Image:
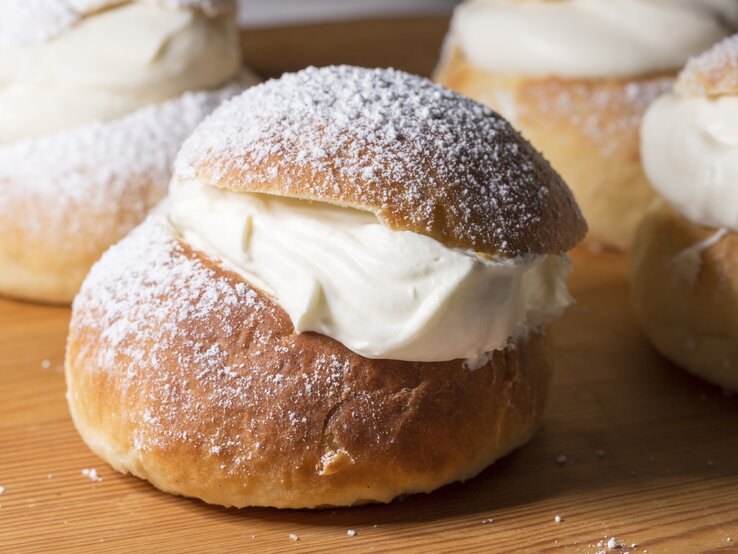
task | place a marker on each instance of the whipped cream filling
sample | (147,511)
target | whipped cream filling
(589,38)
(689,147)
(381,293)
(110,64)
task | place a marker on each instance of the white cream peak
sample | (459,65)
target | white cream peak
(112,63)
(689,147)
(589,38)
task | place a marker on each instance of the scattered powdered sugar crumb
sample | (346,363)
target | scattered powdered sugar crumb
(2,489)
(92,474)
(613,544)
(558,519)
(45,364)
(294,537)
(98,168)
(487,521)
(391,142)
(24,22)
(713,73)
(351,533)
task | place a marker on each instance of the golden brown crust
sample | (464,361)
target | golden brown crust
(180,373)
(587,129)
(420,157)
(686,294)
(48,261)
(714,73)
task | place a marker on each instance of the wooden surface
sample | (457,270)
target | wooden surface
(409,44)
(651,453)
(652,458)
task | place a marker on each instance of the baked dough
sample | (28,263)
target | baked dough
(64,199)
(92,151)
(588,130)
(183,373)
(685,286)
(435,164)
(713,73)
(684,262)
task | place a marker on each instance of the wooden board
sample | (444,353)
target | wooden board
(410,44)
(652,458)
(651,453)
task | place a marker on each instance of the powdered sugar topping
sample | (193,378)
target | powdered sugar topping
(607,115)
(32,21)
(428,158)
(713,73)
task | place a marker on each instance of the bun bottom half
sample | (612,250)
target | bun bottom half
(587,128)
(49,265)
(685,285)
(181,373)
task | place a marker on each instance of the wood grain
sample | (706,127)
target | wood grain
(666,479)
(410,44)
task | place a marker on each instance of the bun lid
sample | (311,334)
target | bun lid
(422,158)
(714,73)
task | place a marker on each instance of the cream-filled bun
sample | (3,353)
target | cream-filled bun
(108,59)
(97,97)
(575,77)
(685,256)
(343,301)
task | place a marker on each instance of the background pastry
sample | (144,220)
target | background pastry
(344,302)
(685,255)
(96,102)
(575,77)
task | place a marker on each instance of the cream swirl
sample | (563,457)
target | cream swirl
(381,293)
(589,38)
(111,63)
(690,153)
